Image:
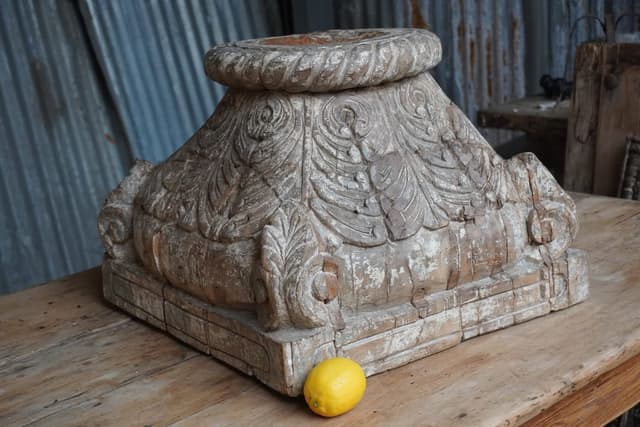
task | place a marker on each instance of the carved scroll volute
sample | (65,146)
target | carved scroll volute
(552,222)
(115,221)
(552,225)
(298,284)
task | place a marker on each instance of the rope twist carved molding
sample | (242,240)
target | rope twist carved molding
(336,179)
(323,62)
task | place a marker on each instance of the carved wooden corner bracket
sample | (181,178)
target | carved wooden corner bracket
(299,283)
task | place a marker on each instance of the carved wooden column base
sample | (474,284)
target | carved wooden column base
(379,340)
(337,203)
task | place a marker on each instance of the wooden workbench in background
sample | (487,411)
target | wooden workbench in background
(542,120)
(68,358)
(533,115)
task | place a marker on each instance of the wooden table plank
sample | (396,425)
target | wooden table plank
(504,378)
(48,382)
(43,316)
(159,398)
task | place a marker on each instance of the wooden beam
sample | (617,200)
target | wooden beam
(583,119)
(604,111)
(619,114)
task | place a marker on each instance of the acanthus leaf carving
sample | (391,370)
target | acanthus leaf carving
(402,201)
(455,167)
(250,211)
(340,178)
(215,198)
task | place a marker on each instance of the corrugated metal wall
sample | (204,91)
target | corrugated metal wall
(88,84)
(61,145)
(70,125)
(493,50)
(151,53)
(549,22)
(483,42)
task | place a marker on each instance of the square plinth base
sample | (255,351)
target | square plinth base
(378,339)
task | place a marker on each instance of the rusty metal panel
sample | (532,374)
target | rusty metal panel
(483,45)
(61,145)
(483,41)
(371,13)
(494,50)
(151,53)
(66,67)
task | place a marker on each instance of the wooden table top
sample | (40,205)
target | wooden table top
(536,115)
(68,358)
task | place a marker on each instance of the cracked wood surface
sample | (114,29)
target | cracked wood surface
(69,358)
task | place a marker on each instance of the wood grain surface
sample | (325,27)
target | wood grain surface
(616,390)
(68,358)
(583,119)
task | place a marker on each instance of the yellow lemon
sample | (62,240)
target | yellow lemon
(334,386)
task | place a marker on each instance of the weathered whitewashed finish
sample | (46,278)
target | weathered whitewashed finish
(337,202)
